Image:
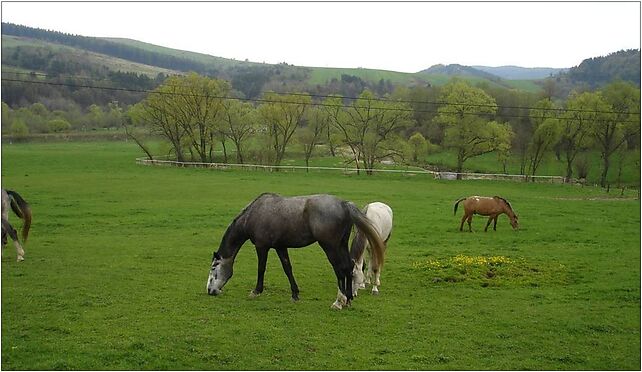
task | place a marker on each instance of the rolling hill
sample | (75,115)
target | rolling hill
(521,73)
(168,60)
(140,65)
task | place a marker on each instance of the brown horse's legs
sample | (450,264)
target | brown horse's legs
(470,219)
(463,219)
(488,223)
(495,223)
(287,267)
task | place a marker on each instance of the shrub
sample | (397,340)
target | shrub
(59,125)
(19,128)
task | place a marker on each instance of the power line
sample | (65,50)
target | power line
(436,103)
(262,100)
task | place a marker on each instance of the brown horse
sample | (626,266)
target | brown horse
(486,206)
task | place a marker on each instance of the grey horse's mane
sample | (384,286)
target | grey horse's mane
(235,226)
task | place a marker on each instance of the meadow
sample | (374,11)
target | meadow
(118,257)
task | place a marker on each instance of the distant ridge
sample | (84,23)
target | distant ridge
(521,73)
(459,70)
(598,71)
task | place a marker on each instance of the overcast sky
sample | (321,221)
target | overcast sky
(404,37)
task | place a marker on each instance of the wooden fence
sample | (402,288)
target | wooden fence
(298,168)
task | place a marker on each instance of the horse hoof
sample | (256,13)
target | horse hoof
(253,294)
(336,306)
(375,293)
(20,259)
(294,299)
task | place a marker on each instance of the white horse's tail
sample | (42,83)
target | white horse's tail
(364,225)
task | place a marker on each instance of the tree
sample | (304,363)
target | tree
(423,101)
(282,114)
(612,131)
(6,116)
(545,132)
(196,105)
(468,133)
(40,110)
(19,128)
(132,118)
(59,125)
(370,127)
(238,124)
(309,136)
(582,113)
(94,117)
(113,116)
(185,110)
(152,112)
(418,146)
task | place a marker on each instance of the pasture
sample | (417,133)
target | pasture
(118,256)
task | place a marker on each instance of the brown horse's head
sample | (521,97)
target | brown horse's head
(508,209)
(513,221)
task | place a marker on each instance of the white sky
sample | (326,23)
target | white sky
(406,37)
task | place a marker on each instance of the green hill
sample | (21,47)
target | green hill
(14,44)
(168,60)
(204,59)
(596,72)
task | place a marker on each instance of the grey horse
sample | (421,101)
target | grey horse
(274,221)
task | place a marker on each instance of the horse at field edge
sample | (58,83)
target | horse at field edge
(274,221)
(13,200)
(486,206)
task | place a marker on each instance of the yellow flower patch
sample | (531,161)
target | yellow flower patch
(491,270)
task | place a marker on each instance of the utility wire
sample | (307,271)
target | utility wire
(262,100)
(441,103)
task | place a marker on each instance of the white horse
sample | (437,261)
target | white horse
(380,215)
(13,200)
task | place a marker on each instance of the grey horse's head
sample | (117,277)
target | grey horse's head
(220,272)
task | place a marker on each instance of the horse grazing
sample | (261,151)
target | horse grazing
(21,208)
(380,215)
(486,206)
(274,221)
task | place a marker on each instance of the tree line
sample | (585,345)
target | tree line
(196,115)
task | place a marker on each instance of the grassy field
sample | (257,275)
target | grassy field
(118,256)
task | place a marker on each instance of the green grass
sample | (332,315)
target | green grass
(118,256)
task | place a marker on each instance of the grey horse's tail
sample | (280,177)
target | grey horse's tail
(457,203)
(21,208)
(365,227)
